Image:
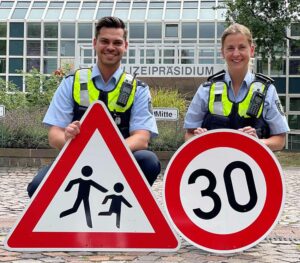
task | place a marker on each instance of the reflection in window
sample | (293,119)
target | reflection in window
(278,67)
(15,64)
(138,10)
(155,11)
(190,10)
(50,48)
(16,29)
(50,65)
(220,29)
(33,47)
(3,30)
(2,47)
(70,14)
(85,30)
(67,48)
(189,30)
(67,30)
(19,13)
(171,30)
(105,9)
(16,47)
(34,30)
(87,11)
(36,13)
(206,30)
(32,63)
(294,122)
(294,67)
(294,85)
(154,30)
(295,104)
(172,10)
(262,67)
(295,29)
(121,10)
(2,65)
(280,84)
(136,30)
(294,142)
(206,10)
(51,30)
(4,13)
(294,47)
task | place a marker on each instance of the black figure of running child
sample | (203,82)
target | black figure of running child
(116,203)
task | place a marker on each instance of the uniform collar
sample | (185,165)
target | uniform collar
(96,74)
(247,80)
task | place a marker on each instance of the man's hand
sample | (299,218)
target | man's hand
(72,130)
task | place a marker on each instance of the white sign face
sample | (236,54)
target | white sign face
(224,191)
(166,114)
(2,111)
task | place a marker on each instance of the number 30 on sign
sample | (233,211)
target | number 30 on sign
(224,191)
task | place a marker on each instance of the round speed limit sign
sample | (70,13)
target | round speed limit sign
(224,191)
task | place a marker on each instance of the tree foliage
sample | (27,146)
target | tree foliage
(268,21)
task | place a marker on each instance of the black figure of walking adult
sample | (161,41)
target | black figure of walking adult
(116,203)
(84,187)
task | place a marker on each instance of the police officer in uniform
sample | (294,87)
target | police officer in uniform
(127,99)
(237,98)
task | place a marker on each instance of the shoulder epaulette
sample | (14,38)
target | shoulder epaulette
(206,84)
(217,76)
(264,78)
(141,83)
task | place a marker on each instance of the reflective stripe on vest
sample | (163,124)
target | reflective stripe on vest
(85,92)
(220,107)
(223,107)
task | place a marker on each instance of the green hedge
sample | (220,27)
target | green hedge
(22,126)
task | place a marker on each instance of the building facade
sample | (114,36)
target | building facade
(171,43)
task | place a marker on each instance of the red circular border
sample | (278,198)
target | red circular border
(264,221)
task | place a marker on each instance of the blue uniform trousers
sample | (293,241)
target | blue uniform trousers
(146,159)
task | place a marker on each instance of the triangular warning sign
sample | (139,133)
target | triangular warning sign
(78,205)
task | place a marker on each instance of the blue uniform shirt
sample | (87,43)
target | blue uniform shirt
(60,111)
(272,112)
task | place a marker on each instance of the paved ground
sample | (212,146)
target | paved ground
(282,245)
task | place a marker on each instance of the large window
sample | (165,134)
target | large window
(16,29)
(3,30)
(155,11)
(50,30)
(33,30)
(136,30)
(105,9)
(16,47)
(171,30)
(189,30)
(154,30)
(138,11)
(190,10)
(85,31)
(295,104)
(172,10)
(67,30)
(207,30)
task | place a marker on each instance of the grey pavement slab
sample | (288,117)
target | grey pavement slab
(282,244)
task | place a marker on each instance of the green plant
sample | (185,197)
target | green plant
(171,133)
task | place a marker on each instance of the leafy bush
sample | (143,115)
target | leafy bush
(22,126)
(171,133)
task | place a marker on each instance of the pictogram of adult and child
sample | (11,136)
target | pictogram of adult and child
(84,187)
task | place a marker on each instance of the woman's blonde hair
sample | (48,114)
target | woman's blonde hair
(235,29)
